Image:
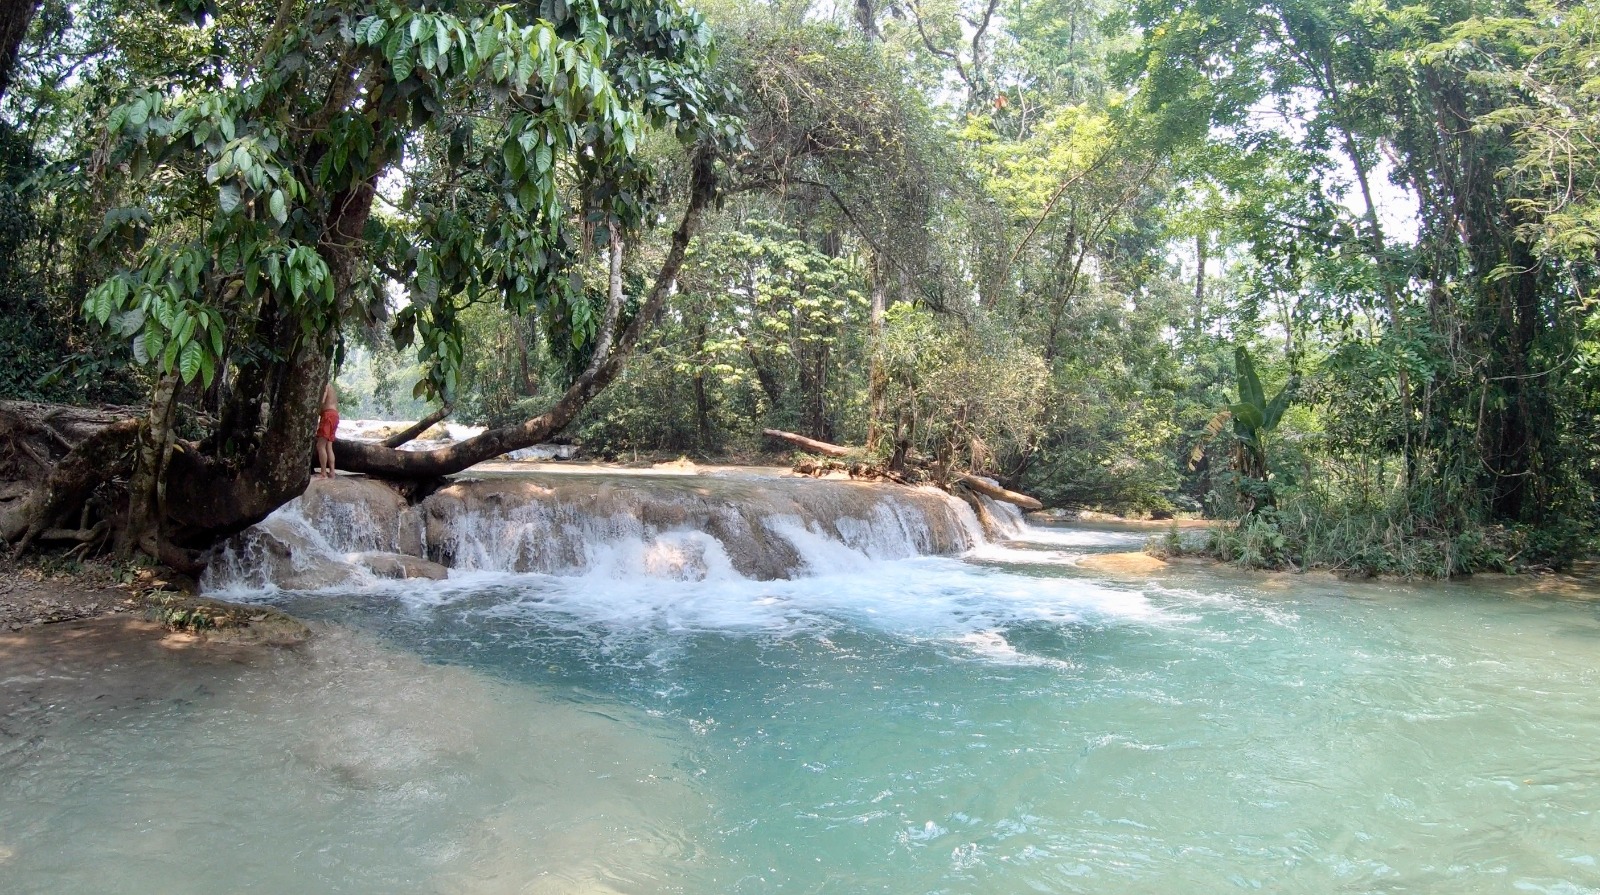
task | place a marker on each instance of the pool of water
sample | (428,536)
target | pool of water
(1002,723)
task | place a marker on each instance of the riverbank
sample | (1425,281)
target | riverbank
(32,595)
(98,602)
(1581,582)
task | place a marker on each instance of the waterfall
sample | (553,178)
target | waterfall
(350,531)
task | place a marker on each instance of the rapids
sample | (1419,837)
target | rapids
(910,707)
(670,526)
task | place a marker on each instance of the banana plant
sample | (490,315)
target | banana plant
(1254,419)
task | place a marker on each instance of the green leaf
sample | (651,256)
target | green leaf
(228,197)
(1248,415)
(1275,409)
(1249,384)
(161,311)
(185,330)
(525,68)
(190,360)
(279,207)
(169,357)
(153,343)
(97,305)
(128,322)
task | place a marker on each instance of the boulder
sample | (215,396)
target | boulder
(1134,564)
(359,514)
(281,552)
(399,566)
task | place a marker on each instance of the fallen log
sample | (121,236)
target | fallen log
(810,444)
(984,487)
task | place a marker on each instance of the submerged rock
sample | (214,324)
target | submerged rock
(1130,563)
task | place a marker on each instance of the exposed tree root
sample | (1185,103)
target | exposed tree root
(84,535)
(95,461)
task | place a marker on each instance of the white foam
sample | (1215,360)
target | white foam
(601,567)
(935,598)
(1078,537)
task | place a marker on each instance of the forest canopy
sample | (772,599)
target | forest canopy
(1325,269)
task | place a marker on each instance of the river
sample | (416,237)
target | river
(995,722)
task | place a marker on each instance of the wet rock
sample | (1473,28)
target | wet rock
(400,566)
(225,622)
(361,514)
(280,552)
(345,531)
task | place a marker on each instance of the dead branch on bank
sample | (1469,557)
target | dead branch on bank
(891,472)
(811,444)
(995,492)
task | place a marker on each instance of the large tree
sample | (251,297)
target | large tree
(275,200)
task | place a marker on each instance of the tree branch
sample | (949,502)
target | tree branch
(375,459)
(1050,206)
(419,427)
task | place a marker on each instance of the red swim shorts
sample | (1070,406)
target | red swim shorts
(329,426)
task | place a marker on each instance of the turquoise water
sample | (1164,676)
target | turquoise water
(1002,724)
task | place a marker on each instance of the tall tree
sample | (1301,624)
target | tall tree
(258,240)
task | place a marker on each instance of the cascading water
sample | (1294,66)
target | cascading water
(676,527)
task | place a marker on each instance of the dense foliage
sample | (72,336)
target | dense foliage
(1326,268)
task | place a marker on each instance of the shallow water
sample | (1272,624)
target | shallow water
(1001,723)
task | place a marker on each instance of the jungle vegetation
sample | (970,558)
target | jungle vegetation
(1326,268)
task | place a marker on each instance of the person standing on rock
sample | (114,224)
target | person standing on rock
(327,430)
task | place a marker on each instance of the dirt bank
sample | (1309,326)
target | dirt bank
(33,595)
(38,602)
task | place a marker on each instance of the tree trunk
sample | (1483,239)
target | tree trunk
(154,448)
(877,380)
(219,492)
(702,406)
(15,17)
(996,492)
